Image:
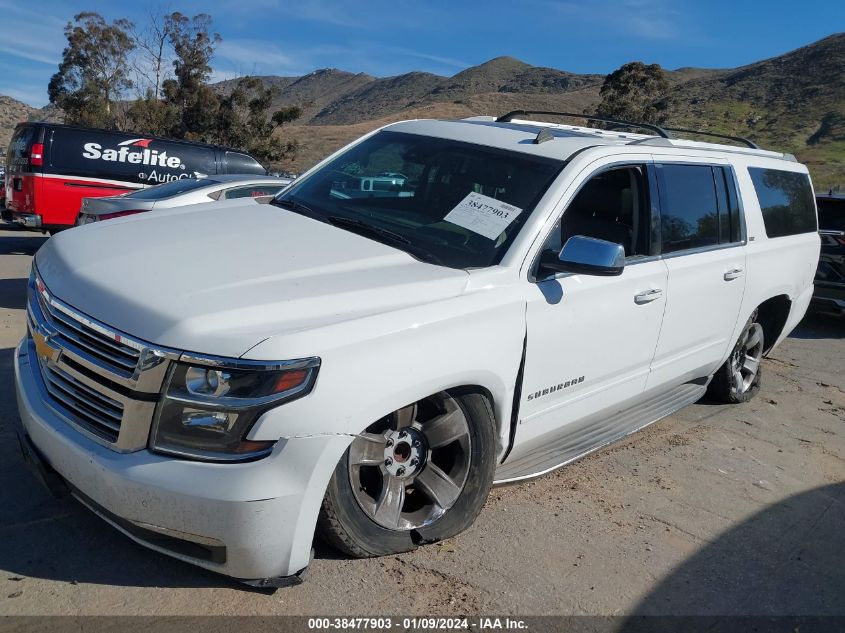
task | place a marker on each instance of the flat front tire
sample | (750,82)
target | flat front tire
(419,475)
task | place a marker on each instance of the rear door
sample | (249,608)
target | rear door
(703,244)
(22,180)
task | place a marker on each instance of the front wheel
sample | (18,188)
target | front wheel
(738,380)
(419,475)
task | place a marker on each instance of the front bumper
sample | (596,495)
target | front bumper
(252,521)
(27,220)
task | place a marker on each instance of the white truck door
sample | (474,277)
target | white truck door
(590,339)
(702,244)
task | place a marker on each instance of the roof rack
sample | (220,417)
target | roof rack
(738,139)
(505,118)
(663,132)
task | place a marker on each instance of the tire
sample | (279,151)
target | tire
(738,379)
(452,437)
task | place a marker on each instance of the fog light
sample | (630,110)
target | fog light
(215,421)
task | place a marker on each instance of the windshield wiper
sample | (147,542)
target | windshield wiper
(296,205)
(386,235)
(363,227)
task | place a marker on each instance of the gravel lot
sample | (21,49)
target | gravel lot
(715,510)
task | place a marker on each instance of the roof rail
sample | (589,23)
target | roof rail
(505,118)
(738,139)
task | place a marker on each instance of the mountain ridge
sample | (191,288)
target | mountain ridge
(794,102)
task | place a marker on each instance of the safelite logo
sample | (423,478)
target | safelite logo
(137,151)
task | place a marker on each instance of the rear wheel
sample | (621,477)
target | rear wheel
(419,475)
(738,380)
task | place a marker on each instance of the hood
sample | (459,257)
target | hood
(218,280)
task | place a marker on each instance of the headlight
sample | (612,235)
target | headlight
(208,406)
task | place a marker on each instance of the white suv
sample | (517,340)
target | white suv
(370,363)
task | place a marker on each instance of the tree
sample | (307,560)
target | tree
(94,70)
(193,44)
(149,115)
(244,120)
(635,92)
(151,62)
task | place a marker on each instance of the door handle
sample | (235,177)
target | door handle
(648,296)
(732,274)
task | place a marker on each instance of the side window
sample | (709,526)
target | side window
(786,200)
(252,191)
(689,208)
(613,206)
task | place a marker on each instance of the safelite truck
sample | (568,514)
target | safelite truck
(51,167)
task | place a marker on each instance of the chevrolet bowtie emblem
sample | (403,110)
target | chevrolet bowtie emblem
(43,348)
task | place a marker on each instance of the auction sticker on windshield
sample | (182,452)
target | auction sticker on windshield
(483,215)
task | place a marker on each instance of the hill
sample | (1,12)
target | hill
(13,112)
(794,102)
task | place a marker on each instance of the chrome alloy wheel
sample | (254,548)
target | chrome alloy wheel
(745,360)
(409,468)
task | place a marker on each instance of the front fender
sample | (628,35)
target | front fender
(373,366)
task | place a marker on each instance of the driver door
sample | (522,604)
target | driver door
(590,339)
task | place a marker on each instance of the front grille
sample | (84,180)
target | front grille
(97,379)
(89,408)
(74,333)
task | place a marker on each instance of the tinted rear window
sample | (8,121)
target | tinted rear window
(237,163)
(786,200)
(17,156)
(170,189)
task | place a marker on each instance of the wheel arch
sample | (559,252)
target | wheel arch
(772,315)
(498,418)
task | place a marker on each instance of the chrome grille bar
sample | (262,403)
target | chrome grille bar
(120,358)
(94,411)
(99,380)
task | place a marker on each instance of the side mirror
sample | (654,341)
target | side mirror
(585,256)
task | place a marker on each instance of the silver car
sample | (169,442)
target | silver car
(179,193)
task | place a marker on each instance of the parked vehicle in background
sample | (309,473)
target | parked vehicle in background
(179,193)
(3,193)
(371,365)
(50,168)
(829,295)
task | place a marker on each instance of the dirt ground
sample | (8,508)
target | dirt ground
(715,510)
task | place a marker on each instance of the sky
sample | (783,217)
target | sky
(390,37)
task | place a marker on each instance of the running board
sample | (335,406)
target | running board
(597,431)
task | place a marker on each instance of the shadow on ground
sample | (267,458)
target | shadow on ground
(820,326)
(22,243)
(786,560)
(13,293)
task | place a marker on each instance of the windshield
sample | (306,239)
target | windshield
(442,201)
(170,189)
